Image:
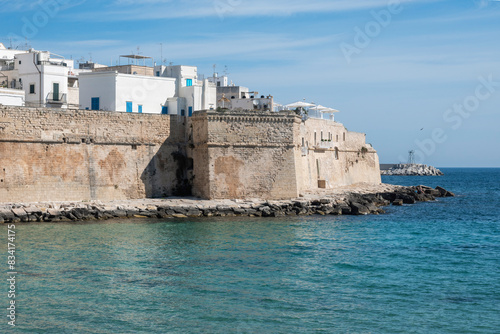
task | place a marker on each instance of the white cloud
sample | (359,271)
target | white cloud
(125,10)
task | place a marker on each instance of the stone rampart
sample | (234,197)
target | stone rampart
(276,155)
(75,155)
(244,155)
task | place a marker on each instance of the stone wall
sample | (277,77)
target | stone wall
(332,155)
(75,155)
(78,155)
(275,155)
(244,155)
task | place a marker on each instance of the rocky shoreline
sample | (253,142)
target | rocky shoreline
(349,202)
(412,170)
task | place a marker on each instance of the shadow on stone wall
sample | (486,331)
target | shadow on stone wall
(167,171)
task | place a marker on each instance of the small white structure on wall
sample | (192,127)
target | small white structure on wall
(113,91)
(12,97)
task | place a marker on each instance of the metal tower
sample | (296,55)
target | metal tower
(411,157)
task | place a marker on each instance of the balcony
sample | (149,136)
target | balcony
(325,144)
(56,98)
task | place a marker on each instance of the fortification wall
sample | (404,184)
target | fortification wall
(244,155)
(333,156)
(275,155)
(75,155)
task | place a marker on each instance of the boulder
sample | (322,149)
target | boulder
(359,209)
(397,202)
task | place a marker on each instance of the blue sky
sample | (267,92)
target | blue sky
(422,75)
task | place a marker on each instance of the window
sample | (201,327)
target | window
(164,110)
(189,82)
(19,62)
(157,73)
(315,141)
(32,89)
(139,109)
(183,112)
(55,91)
(190,111)
(337,138)
(336,153)
(344,136)
(218,84)
(129,106)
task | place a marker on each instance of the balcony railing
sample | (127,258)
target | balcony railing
(56,98)
(326,144)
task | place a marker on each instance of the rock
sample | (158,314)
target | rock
(397,202)
(407,199)
(412,169)
(20,213)
(53,213)
(359,209)
(178,215)
(239,211)
(444,193)
(194,213)
(119,213)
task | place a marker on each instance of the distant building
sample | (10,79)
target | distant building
(42,76)
(11,92)
(173,90)
(232,97)
(113,91)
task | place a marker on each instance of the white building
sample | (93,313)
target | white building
(238,97)
(11,92)
(42,76)
(113,91)
(191,94)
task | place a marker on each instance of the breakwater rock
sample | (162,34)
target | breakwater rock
(412,169)
(345,203)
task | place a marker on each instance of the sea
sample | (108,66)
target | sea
(424,268)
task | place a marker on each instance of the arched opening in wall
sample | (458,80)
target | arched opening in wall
(336,153)
(344,136)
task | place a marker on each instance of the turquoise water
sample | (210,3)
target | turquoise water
(427,268)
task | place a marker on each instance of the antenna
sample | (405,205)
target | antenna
(226,73)
(162,60)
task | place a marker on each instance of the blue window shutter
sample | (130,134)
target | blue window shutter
(139,109)
(190,111)
(129,106)
(189,82)
(164,110)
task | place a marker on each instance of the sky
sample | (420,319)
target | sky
(420,75)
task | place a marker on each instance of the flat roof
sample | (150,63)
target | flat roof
(136,57)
